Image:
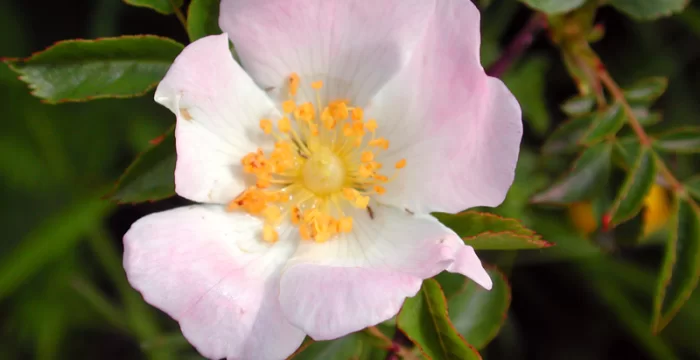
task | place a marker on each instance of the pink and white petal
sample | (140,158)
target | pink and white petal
(360,279)
(354,46)
(458,128)
(218,108)
(187,262)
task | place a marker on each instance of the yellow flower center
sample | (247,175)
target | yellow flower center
(323,161)
(324,173)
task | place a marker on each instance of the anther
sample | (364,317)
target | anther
(269,233)
(345,224)
(371,125)
(367,156)
(266,126)
(294,84)
(357,114)
(289,106)
(284,125)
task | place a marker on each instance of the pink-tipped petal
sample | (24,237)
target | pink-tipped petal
(468,264)
(354,46)
(187,262)
(218,108)
(350,282)
(458,129)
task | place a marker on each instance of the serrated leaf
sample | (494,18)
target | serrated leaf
(578,105)
(425,321)
(203,19)
(640,178)
(647,90)
(681,140)
(353,346)
(505,241)
(625,151)
(589,175)
(649,9)
(646,117)
(484,231)
(605,123)
(567,137)
(553,6)
(162,6)
(79,70)
(478,314)
(681,265)
(692,186)
(151,176)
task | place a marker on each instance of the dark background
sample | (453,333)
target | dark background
(62,245)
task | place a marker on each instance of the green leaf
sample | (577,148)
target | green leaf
(162,6)
(50,241)
(578,105)
(692,186)
(203,19)
(588,176)
(478,314)
(485,231)
(605,123)
(79,70)
(681,140)
(649,9)
(553,6)
(151,176)
(647,90)
(424,320)
(357,346)
(567,137)
(640,178)
(625,151)
(681,265)
(527,84)
(646,117)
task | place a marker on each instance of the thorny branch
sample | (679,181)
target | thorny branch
(517,47)
(644,139)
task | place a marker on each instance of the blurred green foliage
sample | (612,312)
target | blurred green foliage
(63,292)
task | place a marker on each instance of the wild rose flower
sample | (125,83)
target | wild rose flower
(318,168)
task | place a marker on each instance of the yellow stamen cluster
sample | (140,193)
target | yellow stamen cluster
(323,161)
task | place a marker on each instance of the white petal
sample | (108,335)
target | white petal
(218,108)
(187,262)
(355,46)
(458,129)
(350,282)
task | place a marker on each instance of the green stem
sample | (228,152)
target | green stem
(139,316)
(111,313)
(632,318)
(178,13)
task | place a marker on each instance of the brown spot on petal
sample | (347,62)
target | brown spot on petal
(185,114)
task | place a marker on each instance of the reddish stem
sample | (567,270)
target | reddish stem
(518,45)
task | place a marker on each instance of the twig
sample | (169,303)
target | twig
(178,13)
(518,45)
(644,139)
(398,346)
